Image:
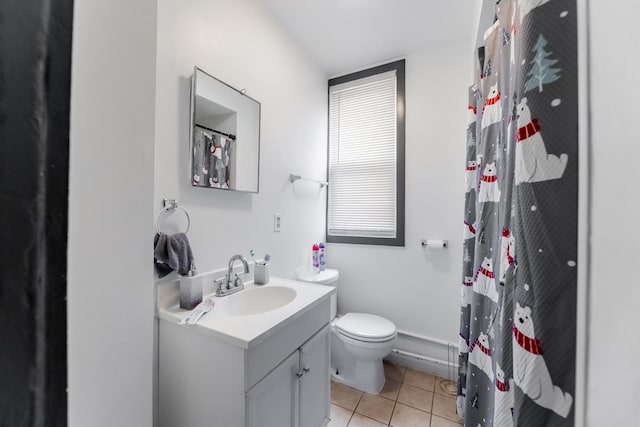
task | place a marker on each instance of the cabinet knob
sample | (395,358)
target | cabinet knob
(301,373)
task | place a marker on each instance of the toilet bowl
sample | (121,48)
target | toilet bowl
(359,341)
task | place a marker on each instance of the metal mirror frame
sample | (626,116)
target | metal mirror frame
(192,123)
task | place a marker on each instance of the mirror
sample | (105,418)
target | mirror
(225,135)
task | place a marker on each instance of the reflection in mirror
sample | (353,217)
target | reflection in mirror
(225,136)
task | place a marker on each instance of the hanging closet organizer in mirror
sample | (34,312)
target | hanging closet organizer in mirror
(225,136)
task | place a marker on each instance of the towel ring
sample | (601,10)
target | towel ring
(172,205)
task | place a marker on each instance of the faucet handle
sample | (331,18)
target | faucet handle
(220,281)
(237,280)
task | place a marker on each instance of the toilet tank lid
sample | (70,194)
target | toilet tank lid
(365,325)
(321,278)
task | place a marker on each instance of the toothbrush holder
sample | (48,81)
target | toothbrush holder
(261,273)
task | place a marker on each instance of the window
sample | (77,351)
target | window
(365,200)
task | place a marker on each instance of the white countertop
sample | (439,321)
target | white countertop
(243,331)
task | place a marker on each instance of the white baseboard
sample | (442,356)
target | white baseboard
(425,354)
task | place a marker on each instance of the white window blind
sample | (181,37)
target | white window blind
(362,158)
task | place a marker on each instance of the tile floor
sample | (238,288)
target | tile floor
(409,398)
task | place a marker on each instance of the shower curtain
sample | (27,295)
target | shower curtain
(518,302)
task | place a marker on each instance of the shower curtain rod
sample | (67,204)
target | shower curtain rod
(228,135)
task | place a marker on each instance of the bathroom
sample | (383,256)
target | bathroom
(131,65)
(294,140)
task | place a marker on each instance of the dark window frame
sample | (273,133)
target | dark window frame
(399,67)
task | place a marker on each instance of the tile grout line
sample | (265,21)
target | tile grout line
(354,409)
(433,399)
(395,402)
(392,411)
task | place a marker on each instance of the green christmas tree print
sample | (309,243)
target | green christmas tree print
(542,71)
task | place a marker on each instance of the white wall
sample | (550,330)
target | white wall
(613,379)
(110,278)
(418,289)
(240,43)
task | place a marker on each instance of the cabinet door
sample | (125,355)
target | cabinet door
(315,383)
(273,401)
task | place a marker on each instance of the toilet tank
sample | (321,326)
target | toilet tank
(327,277)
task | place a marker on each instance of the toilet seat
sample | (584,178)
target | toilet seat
(366,327)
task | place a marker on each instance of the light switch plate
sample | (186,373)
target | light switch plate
(277,222)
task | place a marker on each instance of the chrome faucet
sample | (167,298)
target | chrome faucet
(231,283)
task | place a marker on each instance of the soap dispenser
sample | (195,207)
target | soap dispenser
(190,289)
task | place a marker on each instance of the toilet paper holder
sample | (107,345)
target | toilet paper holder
(434,244)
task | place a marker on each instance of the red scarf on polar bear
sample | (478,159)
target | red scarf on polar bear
(485,272)
(532,345)
(502,386)
(528,130)
(470,227)
(491,101)
(478,344)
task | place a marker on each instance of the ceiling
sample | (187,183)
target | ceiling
(346,35)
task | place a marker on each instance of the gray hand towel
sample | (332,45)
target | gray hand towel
(172,252)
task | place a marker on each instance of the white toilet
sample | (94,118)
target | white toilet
(359,341)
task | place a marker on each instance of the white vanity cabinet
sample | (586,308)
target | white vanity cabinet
(279,378)
(296,393)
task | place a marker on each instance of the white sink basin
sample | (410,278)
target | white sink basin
(256,300)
